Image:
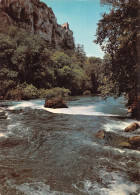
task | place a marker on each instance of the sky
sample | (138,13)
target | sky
(82,16)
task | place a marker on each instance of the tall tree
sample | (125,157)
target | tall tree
(93,71)
(118,35)
(80,54)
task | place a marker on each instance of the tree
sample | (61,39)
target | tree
(68,72)
(93,71)
(80,54)
(27,53)
(8,75)
(118,35)
(27,64)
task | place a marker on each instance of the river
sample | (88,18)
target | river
(54,151)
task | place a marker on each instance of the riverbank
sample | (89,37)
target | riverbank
(29,92)
(133,108)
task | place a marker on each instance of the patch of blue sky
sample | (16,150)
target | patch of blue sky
(82,16)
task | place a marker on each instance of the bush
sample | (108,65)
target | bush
(13,94)
(55,92)
(29,92)
(22,91)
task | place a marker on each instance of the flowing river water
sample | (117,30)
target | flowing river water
(54,151)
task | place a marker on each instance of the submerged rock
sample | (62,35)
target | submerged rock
(2,115)
(132,127)
(125,144)
(100,134)
(55,103)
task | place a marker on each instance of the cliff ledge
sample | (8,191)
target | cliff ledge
(37,18)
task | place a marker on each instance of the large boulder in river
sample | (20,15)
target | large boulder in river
(132,127)
(135,140)
(55,103)
(100,134)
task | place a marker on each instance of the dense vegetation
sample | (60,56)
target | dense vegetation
(118,35)
(29,68)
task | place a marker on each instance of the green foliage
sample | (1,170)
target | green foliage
(80,54)
(23,91)
(28,91)
(30,69)
(13,94)
(60,59)
(117,34)
(93,70)
(8,80)
(68,72)
(54,92)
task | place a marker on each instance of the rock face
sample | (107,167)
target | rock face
(65,25)
(55,103)
(132,127)
(36,18)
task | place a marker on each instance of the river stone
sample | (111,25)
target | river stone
(132,127)
(135,140)
(125,144)
(87,92)
(100,134)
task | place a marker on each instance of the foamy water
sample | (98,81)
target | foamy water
(24,104)
(116,125)
(38,188)
(2,135)
(79,110)
(75,110)
(116,187)
(113,149)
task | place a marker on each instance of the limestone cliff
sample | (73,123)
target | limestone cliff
(37,18)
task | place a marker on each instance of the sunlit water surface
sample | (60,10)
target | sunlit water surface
(54,151)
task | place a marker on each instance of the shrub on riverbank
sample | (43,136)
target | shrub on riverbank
(13,94)
(54,92)
(23,91)
(27,92)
